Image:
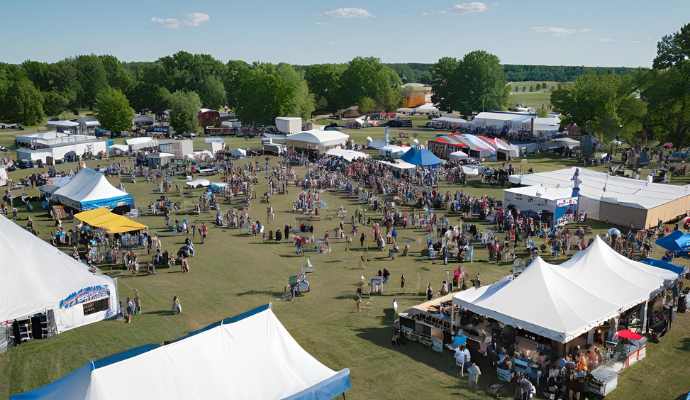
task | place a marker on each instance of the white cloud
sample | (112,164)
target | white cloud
(170,23)
(348,12)
(558,30)
(196,19)
(468,8)
(191,20)
(459,9)
(606,40)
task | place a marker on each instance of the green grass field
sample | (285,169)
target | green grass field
(233,272)
(527,94)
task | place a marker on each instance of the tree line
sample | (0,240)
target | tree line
(647,104)
(605,101)
(257,92)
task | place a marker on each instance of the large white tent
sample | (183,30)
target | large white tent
(317,140)
(36,277)
(562,302)
(616,199)
(90,189)
(250,356)
(620,280)
(542,302)
(502,121)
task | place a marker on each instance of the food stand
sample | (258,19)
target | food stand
(428,323)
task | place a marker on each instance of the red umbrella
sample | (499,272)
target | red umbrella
(628,334)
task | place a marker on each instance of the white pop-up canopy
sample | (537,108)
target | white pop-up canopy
(90,189)
(347,155)
(36,277)
(138,143)
(250,356)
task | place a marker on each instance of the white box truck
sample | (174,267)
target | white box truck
(288,125)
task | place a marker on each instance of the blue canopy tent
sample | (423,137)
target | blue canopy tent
(678,269)
(676,241)
(421,157)
(229,359)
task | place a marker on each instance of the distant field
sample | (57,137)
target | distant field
(533,94)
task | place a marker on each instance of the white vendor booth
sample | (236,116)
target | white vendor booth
(558,202)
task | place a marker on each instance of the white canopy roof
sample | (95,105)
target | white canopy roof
(120,147)
(451,120)
(618,279)
(458,155)
(597,185)
(561,302)
(426,108)
(543,192)
(398,164)
(319,137)
(348,155)
(497,116)
(196,183)
(393,150)
(30,137)
(35,277)
(87,187)
(63,124)
(540,301)
(547,124)
(138,143)
(251,356)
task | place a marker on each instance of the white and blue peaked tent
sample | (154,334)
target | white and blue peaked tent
(249,356)
(90,189)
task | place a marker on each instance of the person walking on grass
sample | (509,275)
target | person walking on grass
(203,231)
(474,373)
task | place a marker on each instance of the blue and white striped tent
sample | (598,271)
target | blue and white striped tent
(90,189)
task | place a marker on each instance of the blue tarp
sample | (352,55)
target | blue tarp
(664,265)
(421,157)
(676,241)
(111,203)
(327,389)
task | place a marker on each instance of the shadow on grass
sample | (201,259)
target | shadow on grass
(266,292)
(684,344)
(159,312)
(442,362)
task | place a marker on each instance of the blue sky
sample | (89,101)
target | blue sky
(556,32)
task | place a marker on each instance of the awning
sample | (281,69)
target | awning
(102,218)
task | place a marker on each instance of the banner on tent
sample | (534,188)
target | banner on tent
(85,295)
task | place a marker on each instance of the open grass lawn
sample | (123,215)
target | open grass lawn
(233,272)
(536,100)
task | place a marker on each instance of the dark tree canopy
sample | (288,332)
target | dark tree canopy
(184,109)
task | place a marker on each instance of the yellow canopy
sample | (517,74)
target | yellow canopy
(112,223)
